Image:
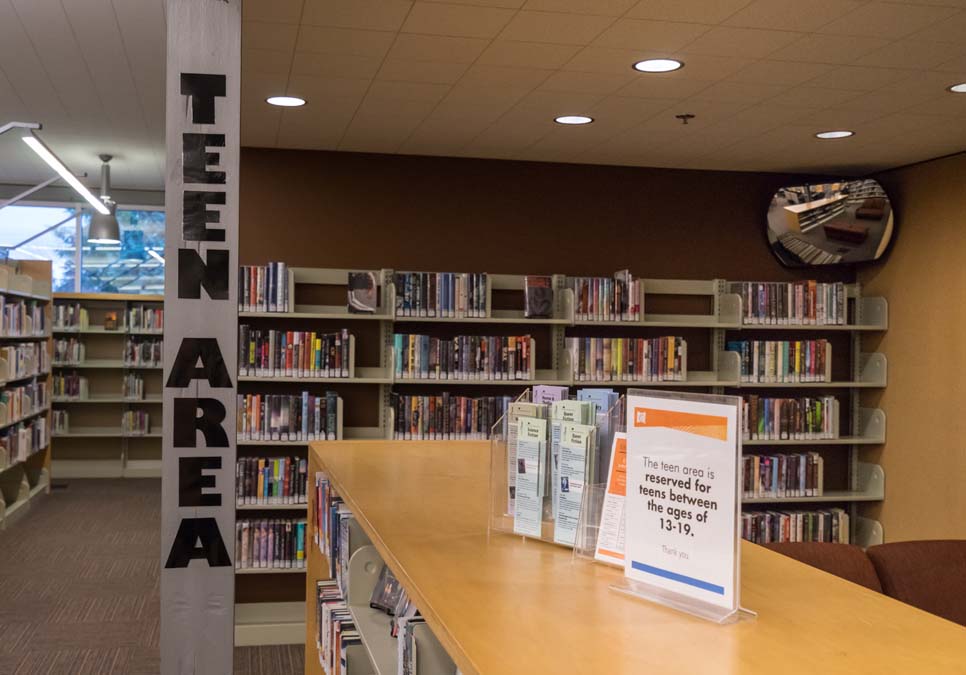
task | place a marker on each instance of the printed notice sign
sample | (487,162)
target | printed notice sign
(681,505)
(610,537)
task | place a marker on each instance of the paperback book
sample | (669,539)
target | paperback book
(464,357)
(600,359)
(270,543)
(441,294)
(263,288)
(288,417)
(796,303)
(445,416)
(270,480)
(822,525)
(783,361)
(281,353)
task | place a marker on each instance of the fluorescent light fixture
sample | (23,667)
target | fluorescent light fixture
(285,101)
(573,119)
(658,65)
(958,88)
(827,135)
(45,154)
(154,254)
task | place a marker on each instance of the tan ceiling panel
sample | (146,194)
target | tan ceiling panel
(365,14)
(835,49)
(697,11)
(761,117)
(792,15)
(780,72)
(440,72)
(486,75)
(706,67)
(277,11)
(594,59)
(335,65)
(949,105)
(860,78)
(741,42)
(663,88)
(391,92)
(266,35)
(812,96)
(664,36)
(317,90)
(887,20)
(265,62)
(506,4)
(527,54)
(410,47)
(950,29)
(601,7)
(259,124)
(914,54)
(840,118)
(588,83)
(456,20)
(954,67)
(320,129)
(567,29)
(328,40)
(739,92)
(617,113)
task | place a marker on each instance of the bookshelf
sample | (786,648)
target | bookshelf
(96,445)
(25,471)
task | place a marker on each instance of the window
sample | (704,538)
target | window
(136,265)
(52,232)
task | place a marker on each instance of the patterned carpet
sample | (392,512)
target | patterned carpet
(79,587)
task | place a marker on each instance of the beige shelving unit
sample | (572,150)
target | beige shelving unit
(96,446)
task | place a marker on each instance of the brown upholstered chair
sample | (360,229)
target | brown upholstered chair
(872,208)
(847,562)
(930,575)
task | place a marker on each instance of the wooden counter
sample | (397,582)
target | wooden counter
(507,606)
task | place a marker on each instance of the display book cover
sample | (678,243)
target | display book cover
(362,292)
(538,296)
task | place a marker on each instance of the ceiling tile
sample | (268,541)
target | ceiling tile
(924,84)
(486,75)
(835,49)
(706,11)
(367,14)
(618,113)
(813,96)
(259,124)
(390,92)
(601,7)
(706,67)
(953,67)
(594,59)
(780,72)
(317,90)
(544,106)
(839,118)
(335,65)
(266,61)
(527,54)
(739,92)
(409,47)
(762,117)
(707,113)
(421,71)
(589,83)
(859,78)
(456,20)
(266,35)
(887,20)
(741,42)
(328,40)
(276,11)
(507,4)
(651,35)
(479,104)
(950,29)
(668,88)
(316,129)
(792,15)
(568,29)
(951,105)
(914,54)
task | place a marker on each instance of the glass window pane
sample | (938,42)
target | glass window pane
(133,266)
(19,223)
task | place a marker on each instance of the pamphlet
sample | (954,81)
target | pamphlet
(610,535)
(575,441)
(531,468)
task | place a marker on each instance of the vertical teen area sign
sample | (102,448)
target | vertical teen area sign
(200,342)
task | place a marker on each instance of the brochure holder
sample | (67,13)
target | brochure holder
(503,461)
(684,451)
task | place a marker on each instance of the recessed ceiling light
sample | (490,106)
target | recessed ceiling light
(573,119)
(285,101)
(658,65)
(843,133)
(958,88)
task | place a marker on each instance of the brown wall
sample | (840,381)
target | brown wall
(924,280)
(329,209)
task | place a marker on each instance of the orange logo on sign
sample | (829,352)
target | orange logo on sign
(711,426)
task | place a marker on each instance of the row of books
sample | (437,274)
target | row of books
(270,543)
(441,294)
(263,288)
(74,387)
(795,475)
(22,318)
(60,421)
(21,440)
(145,318)
(69,351)
(663,359)
(445,416)
(270,480)
(132,387)
(136,422)
(329,509)
(464,357)
(823,525)
(337,632)
(779,361)
(288,417)
(805,418)
(70,316)
(617,298)
(23,360)
(795,303)
(280,353)
(143,352)
(23,400)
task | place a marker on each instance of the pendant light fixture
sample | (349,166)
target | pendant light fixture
(104,228)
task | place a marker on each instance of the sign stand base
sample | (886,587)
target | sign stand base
(702,610)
